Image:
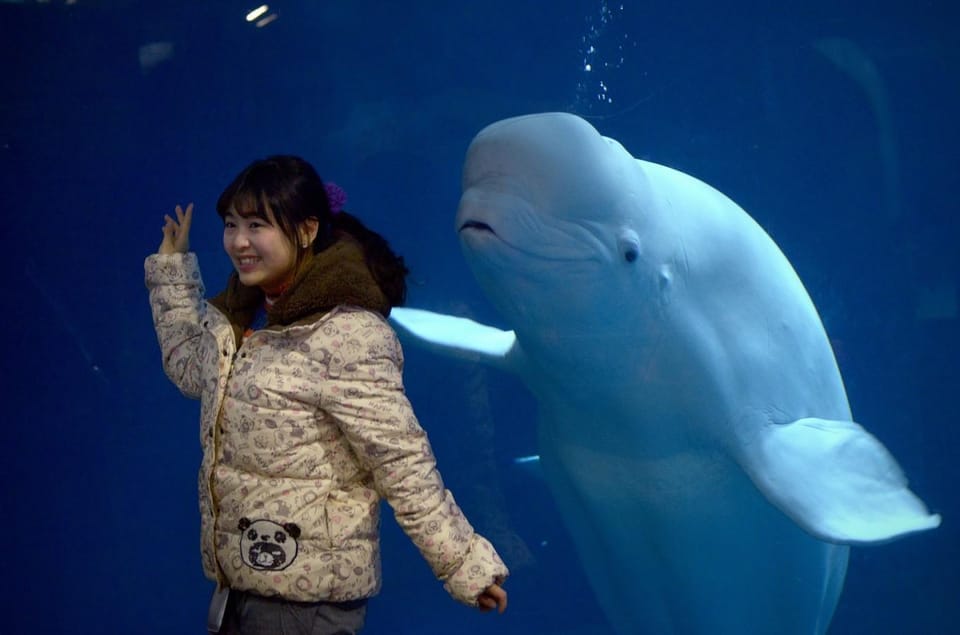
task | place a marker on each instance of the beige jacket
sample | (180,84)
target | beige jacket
(304,427)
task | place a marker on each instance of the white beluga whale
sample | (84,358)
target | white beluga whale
(693,425)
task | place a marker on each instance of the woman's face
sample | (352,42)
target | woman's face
(261,253)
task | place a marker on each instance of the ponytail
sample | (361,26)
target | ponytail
(388,268)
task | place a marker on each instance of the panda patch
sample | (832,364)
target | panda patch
(266,545)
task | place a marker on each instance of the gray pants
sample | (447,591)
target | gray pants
(251,614)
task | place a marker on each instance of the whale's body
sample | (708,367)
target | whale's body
(693,425)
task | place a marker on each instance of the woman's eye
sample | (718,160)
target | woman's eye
(228,224)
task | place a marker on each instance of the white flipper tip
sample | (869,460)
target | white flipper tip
(837,481)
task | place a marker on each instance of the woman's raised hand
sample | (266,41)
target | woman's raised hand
(176,233)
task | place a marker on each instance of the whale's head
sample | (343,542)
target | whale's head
(551,223)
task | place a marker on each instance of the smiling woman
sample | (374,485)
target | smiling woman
(304,422)
(262,255)
(268,250)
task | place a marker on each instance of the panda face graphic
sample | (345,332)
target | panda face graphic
(266,545)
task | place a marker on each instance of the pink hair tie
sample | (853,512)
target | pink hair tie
(336,196)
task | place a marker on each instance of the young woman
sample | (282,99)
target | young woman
(304,421)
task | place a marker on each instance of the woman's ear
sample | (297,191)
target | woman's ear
(308,232)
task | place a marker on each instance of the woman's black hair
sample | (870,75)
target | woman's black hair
(388,268)
(291,189)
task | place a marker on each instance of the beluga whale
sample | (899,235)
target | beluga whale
(693,426)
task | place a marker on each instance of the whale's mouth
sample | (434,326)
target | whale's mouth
(478,226)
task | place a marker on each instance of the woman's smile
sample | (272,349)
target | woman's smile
(245,264)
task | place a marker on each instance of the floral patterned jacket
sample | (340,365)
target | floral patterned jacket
(304,426)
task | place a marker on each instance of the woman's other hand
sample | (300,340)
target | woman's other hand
(176,233)
(493,597)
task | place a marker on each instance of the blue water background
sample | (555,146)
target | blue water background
(114,111)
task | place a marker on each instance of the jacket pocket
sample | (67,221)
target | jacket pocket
(347,520)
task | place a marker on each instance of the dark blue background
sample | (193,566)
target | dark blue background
(100,451)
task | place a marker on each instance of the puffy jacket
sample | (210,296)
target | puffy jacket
(304,426)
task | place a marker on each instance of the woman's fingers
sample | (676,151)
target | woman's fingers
(493,597)
(183,232)
(184,215)
(166,244)
(176,233)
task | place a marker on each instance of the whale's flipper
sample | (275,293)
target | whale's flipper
(836,481)
(456,337)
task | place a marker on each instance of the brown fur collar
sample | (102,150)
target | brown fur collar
(335,276)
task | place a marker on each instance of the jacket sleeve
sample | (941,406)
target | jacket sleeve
(177,304)
(364,393)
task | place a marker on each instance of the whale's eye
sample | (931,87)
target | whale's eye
(628,244)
